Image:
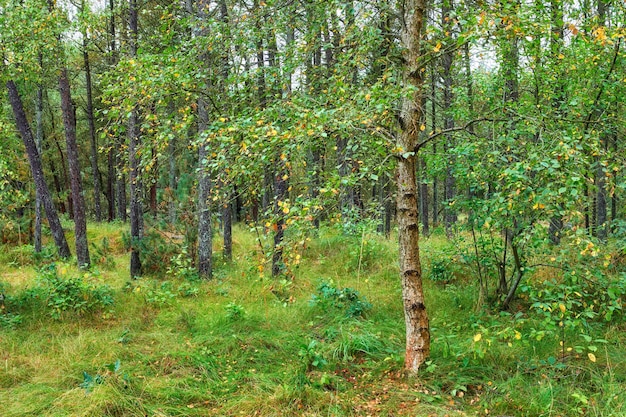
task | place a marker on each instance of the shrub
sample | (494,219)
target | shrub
(345,300)
(73,295)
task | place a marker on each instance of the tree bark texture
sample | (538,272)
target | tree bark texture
(97,186)
(136,209)
(38,143)
(37,170)
(416,318)
(76,185)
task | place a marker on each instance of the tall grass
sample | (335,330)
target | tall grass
(245,344)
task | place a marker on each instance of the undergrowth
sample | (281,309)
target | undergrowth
(94,343)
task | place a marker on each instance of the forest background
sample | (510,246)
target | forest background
(484,134)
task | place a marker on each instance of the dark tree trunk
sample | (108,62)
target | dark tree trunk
(69,123)
(38,143)
(97,186)
(171,205)
(227,221)
(112,152)
(111,163)
(37,171)
(601,197)
(448,123)
(136,209)
(62,185)
(205,231)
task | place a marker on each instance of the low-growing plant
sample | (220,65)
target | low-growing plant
(181,266)
(73,295)
(155,251)
(107,372)
(101,254)
(234,311)
(345,300)
(312,356)
(10,320)
(160,295)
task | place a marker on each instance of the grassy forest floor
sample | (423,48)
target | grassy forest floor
(243,344)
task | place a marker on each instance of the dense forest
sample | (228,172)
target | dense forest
(225,207)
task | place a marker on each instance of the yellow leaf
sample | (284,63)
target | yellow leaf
(591,356)
(562,308)
(438,47)
(477,337)
(368,97)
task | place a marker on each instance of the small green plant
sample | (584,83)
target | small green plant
(10,320)
(180,266)
(160,295)
(346,300)
(234,311)
(73,295)
(311,356)
(108,371)
(187,290)
(102,255)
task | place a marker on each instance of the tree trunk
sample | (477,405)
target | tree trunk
(69,123)
(433,115)
(134,133)
(227,221)
(280,189)
(37,171)
(171,205)
(112,152)
(416,318)
(450,217)
(97,187)
(38,143)
(423,193)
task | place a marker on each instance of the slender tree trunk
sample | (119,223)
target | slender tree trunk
(601,196)
(227,220)
(69,122)
(416,318)
(205,232)
(171,205)
(37,171)
(112,152)
(38,143)
(62,185)
(205,242)
(97,187)
(423,194)
(134,133)
(433,114)
(448,123)
(280,189)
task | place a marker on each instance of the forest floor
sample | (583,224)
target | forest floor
(243,344)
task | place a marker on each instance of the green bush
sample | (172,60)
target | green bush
(344,300)
(73,295)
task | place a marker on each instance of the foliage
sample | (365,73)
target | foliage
(69,296)
(346,301)
(234,311)
(101,254)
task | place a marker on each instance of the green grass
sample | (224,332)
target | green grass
(231,347)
